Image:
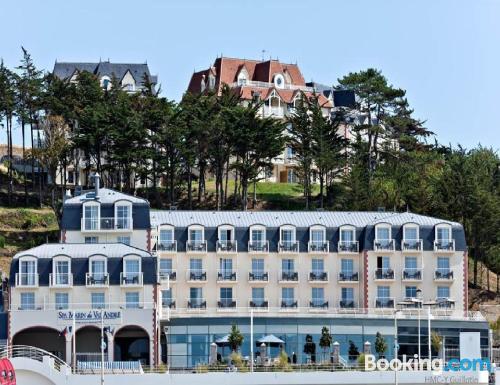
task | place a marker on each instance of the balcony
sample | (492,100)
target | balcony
(226,304)
(384,275)
(412,274)
(318,247)
(288,276)
(347,277)
(167,247)
(289,304)
(275,112)
(347,304)
(384,303)
(288,247)
(164,276)
(445,303)
(227,276)
(260,304)
(258,247)
(97,280)
(26,280)
(196,247)
(226,247)
(260,276)
(348,247)
(60,280)
(131,279)
(197,304)
(443,275)
(318,276)
(318,304)
(197,275)
(106,224)
(444,246)
(260,84)
(387,245)
(412,245)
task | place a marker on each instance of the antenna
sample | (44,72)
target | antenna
(263,54)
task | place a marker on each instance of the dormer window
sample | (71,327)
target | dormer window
(411,239)
(383,238)
(91,214)
(258,242)
(98,271)
(226,239)
(347,240)
(131,275)
(196,239)
(123,215)
(287,239)
(317,239)
(443,238)
(27,275)
(105,83)
(211,82)
(279,81)
(61,272)
(242,79)
(166,240)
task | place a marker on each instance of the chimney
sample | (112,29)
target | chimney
(97,182)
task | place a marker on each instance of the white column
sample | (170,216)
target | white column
(111,346)
(68,339)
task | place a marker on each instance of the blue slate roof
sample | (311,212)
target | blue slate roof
(82,250)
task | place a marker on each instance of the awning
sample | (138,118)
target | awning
(223,340)
(270,339)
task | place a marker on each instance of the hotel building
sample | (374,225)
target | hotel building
(173,282)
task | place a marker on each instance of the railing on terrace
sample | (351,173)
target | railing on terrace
(32,353)
(82,306)
(114,367)
(258,84)
(106,223)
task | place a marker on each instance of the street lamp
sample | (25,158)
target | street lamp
(419,304)
(396,345)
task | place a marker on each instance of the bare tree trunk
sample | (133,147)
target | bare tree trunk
(23,127)
(190,187)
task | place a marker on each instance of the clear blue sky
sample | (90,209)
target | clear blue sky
(445,53)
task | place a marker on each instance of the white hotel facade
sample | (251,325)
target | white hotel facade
(173,282)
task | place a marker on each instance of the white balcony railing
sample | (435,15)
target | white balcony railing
(258,276)
(348,303)
(318,247)
(60,280)
(26,280)
(261,247)
(167,246)
(227,247)
(444,246)
(348,247)
(226,304)
(276,112)
(259,84)
(384,245)
(443,274)
(412,245)
(167,275)
(289,303)
(318,304)
(384,274)
(318,276)
(196,304)
(411,274)
(259,304)
(97,279)
(196,246)
(287,247)
(107,224)
(131,279)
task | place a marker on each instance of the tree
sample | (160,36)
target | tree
(325,341)
(310,348)
(380,345)
(436,341)
(7,108)
(256,141)
(235,338)
(353,351)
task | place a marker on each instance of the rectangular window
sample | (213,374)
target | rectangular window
(28,272)
(443,264)
(123,239)
(383,264)
(443,292)
(347,266)
(165,266)
(287,296)
(257,266)
(317,236)
(410,233)
(318,265)
(383,292)
(411,263)
(318,296)
(226,296)
(287,265)
(347,235)
(98,269)
(97,300)
(132,300)
(166,239)
(195,235)
(443,234)
(383,233)
(225,235)
(196,296)
(62,272)
(287,236)
(347,294)
(62,301)
(258,236)
(28,301)
(258,295)
(123,217)
(91,239)
(91,217)
(166,297)
(132,267)
(196,265)
(411,292)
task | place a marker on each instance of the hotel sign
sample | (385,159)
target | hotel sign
(90,316)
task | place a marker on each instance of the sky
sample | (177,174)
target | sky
(445,53)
